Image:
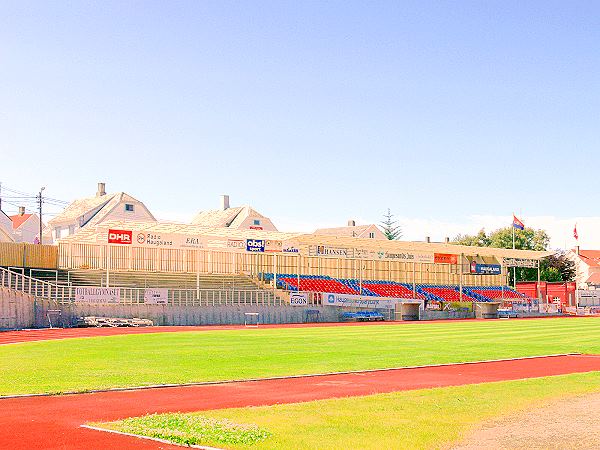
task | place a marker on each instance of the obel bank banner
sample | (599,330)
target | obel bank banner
(357,301)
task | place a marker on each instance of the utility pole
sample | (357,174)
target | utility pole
(40,212)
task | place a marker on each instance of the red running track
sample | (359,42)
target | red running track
(53,422)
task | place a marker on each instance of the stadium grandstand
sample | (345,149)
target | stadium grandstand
(148,264)
(302,261)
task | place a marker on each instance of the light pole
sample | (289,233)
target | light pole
(40,211)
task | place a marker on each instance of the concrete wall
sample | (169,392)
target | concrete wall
(437,315)
(16,310)
(184,315)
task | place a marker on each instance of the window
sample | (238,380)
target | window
(256,222)
(128,207)
(71,229)
(371,235)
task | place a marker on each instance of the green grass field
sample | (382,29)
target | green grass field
(136,360)
(429,418)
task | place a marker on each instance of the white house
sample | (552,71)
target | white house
(238,218)
(371,231)
(26,227)
(6,225)
(587,267)
(92,211)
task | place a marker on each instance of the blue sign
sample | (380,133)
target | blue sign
(255,245)
(485,269)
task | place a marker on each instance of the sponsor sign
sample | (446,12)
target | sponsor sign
(155,239)
(272,246)
(518,262)
(445,258)
(120,237)
(406,256)
(89,294)
(299,299)
(358,301)
(156,296)
(255,227)
(172,240)
(255,245)
(485,269)
(236,244)
(333,252)
(290,247)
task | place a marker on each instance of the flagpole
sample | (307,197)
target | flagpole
(514,268)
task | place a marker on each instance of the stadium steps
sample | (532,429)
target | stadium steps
(136,279)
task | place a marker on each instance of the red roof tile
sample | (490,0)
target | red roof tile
(590,257)
(18,220)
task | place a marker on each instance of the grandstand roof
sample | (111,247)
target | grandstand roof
(303,240)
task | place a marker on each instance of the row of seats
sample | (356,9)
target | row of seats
(379,288)
(495,293)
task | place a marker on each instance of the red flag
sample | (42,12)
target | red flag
(575,235)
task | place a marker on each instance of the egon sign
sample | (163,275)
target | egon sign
(119,237)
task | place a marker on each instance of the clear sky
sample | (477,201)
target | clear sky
(452,114)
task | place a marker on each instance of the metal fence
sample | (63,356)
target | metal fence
(65,294)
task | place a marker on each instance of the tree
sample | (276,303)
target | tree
(478,240)
(390,229)
(557,267)
(527,239)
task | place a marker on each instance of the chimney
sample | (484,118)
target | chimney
(351,223)
(427,239)
(447,240)
(101,190)
(21,210)
(224,202)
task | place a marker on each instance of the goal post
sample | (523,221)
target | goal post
(251,319)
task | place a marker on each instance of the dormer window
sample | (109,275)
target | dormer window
(128,207)
(371,235)
(256,222)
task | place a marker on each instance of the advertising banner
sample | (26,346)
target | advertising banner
(255,245)
(236,244)
(119,237)
(156,296)
(518,262)
(144,239)
(290,247)
(333,252)
(406,256)
(90,294)
(445,258)
(485,269)
(358,301)
(299,299)
(272,246)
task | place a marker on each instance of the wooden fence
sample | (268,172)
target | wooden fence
(28,255)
